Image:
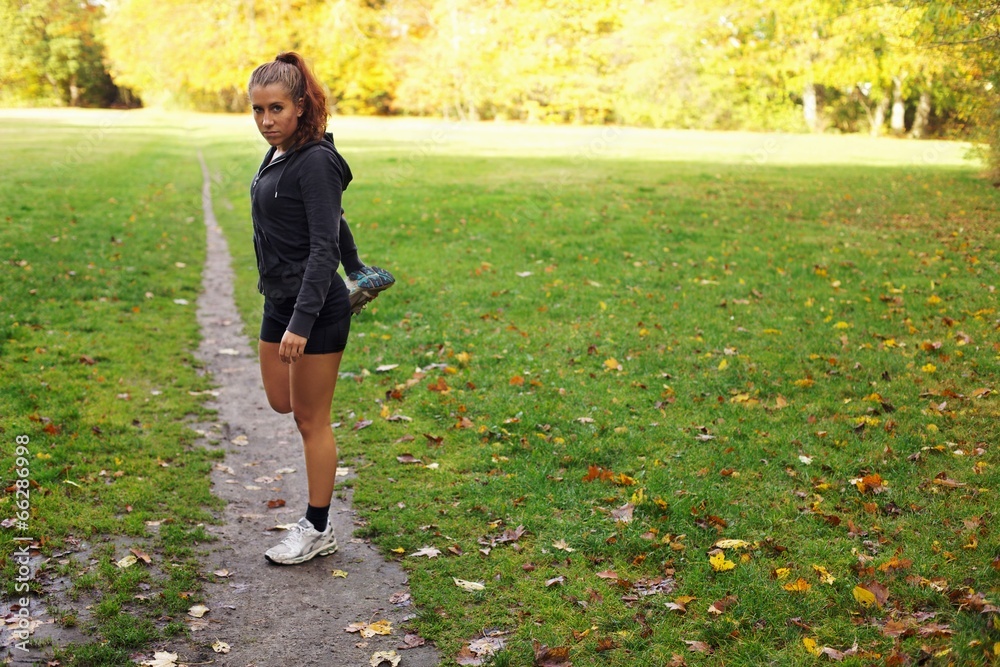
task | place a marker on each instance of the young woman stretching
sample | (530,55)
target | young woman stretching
(300,238)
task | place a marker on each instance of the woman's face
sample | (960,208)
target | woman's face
(276,115)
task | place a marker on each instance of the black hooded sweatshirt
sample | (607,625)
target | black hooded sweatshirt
(300,236)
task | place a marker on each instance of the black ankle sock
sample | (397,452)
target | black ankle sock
(318,516)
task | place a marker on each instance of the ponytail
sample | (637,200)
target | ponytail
(290,70)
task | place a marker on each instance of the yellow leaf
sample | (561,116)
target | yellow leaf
(933,300)
(823,574)
(864,596)
(463,358)
(810,645)
(928,368)
(841,325)
(804,382)
(719,562)
(385,413)
(399,550)
(800,585)
(612,364)
(639,497)
(377,628)
(723,365)
(340,574)
(731,544)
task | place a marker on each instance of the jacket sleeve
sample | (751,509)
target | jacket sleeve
(321,185)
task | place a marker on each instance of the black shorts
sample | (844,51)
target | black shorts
(324,339)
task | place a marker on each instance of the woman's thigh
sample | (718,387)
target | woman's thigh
(275,375)
(313,379)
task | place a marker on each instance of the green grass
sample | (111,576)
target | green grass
(821,322)
(101,238)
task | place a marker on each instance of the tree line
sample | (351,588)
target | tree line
(914,67)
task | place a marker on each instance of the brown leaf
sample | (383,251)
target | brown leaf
(605,644)
(439,386)
(408,458)
(435,440)
(275,504)
(555,580)
(719,607)
(141,556)
(607,574)
(624,513)
(411,641)
(405,438)
(597,472)
(467,657)
(935,630)
(698,647)
(517,381)
(551,657)
(880,592)
(362,423)
(942,479)
(897,628)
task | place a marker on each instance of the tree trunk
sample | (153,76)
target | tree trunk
(879,120)
(809,113)
(74,92)
(898,121)
(923,114)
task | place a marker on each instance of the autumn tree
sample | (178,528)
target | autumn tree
(50,53)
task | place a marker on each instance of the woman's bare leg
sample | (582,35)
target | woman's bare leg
(313,379)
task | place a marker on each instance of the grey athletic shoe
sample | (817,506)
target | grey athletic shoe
(366,284)
(302,543)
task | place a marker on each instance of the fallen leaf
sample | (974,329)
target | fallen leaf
(719,562)
(127,561)
(561,544)
(385,368)
(624,513)
(381,657)
(719,607)
(275,504)
(823,574)
(429,552)
(338,574)
(698,647)
(471,586)
(550,657)
(198,611)
(220,647)
(408,458)
(800,585)
(362,423)
(411,641)
(161,659)
(731,544)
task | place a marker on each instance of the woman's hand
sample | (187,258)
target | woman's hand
(292,347)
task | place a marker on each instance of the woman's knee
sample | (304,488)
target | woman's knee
(279,405)
(309,421)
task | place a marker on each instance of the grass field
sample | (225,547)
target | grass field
(671,398)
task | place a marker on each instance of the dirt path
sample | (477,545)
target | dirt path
(273,616)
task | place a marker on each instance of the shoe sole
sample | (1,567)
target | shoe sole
(361,297)
(325,551)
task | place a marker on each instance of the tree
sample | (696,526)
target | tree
(51,54)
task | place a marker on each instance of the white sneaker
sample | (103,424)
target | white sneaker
(303,543)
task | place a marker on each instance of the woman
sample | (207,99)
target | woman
(300,238)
